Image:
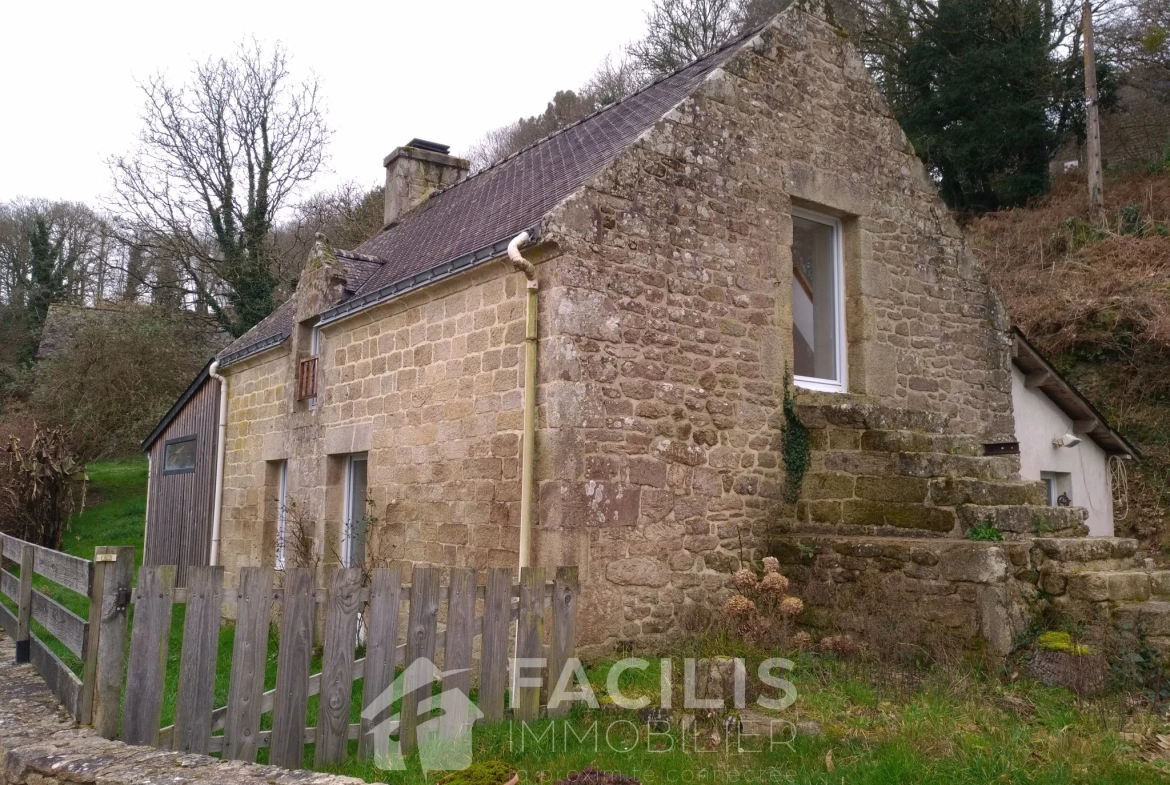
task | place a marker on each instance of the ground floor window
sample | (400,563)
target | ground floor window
(281,513)
(818,323)
(356,510)
(1058,486)
(179,455)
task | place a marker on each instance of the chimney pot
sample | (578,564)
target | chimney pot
(415,171)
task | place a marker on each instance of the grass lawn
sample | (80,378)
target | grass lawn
(878,723)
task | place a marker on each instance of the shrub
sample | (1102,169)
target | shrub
(985,532)
(762,611)
(46,486)
(109,380)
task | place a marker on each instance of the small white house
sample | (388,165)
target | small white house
(1064,441)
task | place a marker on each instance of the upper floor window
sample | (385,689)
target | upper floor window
(307,370)
(179,455)
(818,323)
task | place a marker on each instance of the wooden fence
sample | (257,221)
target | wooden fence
(441,624)
(105,583)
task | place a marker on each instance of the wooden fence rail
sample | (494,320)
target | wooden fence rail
(440,625)
(98,581)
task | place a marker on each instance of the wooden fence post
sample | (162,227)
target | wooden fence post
(497,615)
(149,641)
(381,645)
(529,637)
(564,631)
(287,747)
(336,692)
(200,651)
(24,604)
(105,649)
(420,644)
(241,731)
(457,651)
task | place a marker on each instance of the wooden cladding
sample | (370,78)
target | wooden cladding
(307,379)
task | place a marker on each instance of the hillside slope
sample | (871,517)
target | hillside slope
(1097,300)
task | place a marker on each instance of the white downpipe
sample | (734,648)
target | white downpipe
(220,452)
(529,440)
(528,446)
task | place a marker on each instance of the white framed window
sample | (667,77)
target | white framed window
(353,544)
(315,349)
(1058,487)
(281,514)
(818,302)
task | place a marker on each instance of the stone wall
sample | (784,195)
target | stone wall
(665,288)
(39,745)
(669,322)
(429,387)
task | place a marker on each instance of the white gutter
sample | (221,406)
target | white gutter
(220,452)
(146,516)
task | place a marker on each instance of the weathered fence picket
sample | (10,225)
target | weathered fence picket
(200,651)
(241,733)
(496,621)
(429,638)
(292,669)
(341,623)
(381,645)
(149,640)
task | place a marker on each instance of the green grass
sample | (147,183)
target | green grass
(881,724)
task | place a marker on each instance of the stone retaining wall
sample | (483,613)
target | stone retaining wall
(40,745)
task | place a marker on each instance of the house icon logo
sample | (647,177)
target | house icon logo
(444,742)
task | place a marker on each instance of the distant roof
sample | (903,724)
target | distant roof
(177,407)
(1040,374)
(63,321)
(473,219)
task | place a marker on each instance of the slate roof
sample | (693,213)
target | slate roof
(496,204)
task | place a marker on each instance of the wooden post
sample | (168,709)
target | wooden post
(24,604)
(149,642)
(287,747)
(564,631)
(497,613)
(420,650)
(529,636)
(457,651)
(381,643)
(337,666)
(241,731)
(105,650)
(1092,119)
(200,652)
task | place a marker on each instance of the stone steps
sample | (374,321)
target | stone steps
(1025,522)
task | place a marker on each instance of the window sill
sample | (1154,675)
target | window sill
(820,385)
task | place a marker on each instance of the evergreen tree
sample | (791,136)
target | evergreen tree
(976,97)
(46,282)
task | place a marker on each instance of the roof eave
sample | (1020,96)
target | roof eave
(1042,375)
(439,272)
(248,351)
(177,407)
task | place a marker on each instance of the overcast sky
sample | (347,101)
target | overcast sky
(390,71)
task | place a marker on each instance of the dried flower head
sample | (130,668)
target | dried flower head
(841,645)
(774,583)
(802,640)
(791,607)
(739,606)
(744,580)
(771,565)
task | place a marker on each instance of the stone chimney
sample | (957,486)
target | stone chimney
(415,171)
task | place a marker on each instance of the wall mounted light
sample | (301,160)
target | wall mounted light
(1068,440)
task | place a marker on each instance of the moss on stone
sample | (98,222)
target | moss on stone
(1061,641)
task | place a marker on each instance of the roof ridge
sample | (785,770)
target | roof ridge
(708,55)
(360,257)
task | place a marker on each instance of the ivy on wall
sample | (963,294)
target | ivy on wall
(797,453)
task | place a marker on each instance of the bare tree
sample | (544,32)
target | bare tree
(678,31)
(218,158)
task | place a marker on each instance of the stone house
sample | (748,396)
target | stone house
(753,227)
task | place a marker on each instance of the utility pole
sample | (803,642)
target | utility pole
(1092,121)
